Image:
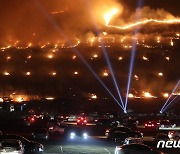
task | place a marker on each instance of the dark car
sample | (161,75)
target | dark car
(77,133)
(161,137)
(136,149)
(127,130)
(41,133)
(131,123)
(118,137)
(106,123)
(29,146)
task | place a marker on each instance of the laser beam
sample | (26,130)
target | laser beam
(78,53)
(176,86)
(133,53)
(114,11)
(171,103)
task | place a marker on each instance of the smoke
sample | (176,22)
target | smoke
(36,21)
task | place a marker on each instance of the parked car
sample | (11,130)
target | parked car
(81,121)
(136,149)
(166,124)
(175,135)
(118,137)
(131,123)
(131,133)
(131,140)
(78,134)
(41,134)
(29,146)
(150,125)
(11,146)
(161,136)
(72,118)
(106,123)
(56,130)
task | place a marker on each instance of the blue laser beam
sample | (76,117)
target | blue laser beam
(171,103)
(133,53)
(112,74)
(176,86)
(78,53)
(107,60)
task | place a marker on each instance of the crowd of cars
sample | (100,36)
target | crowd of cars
(121,132)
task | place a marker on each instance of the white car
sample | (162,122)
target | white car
(72,118)
(11,146)
(174,135)
(56,130)
(131,140)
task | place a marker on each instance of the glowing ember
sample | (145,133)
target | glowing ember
(120,58)
(145,58)
(28,73)
(130,95)
(19,99)
(105,73)
(166,95)
(160,74)
(172,43)
(29,57)
(8,58)
(50,56)
(147,95)
(50,98)
(76,73)
(74,57)
(95,56)
(6,73)
(136,77)
(53,73)
(167,58)
(94,96)
(105,33)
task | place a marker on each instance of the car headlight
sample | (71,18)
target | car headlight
(85,135)
(72,135)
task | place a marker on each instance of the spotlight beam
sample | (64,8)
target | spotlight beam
(171,103)
(96,76)
(176,86)
(107,59)
(112,73)
(78,53)
(133,53)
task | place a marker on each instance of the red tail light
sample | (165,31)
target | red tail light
(145,124)
(152,125)
(78,120)
(85,121)
(32,119)
(82,118)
